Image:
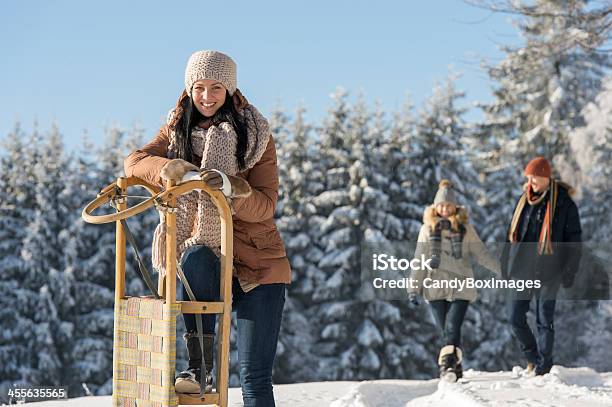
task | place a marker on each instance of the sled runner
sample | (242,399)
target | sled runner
(144,343)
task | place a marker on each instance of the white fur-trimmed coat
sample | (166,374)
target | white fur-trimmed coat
(451,267)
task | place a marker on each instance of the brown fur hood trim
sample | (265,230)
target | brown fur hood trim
(571,191)
(430,217)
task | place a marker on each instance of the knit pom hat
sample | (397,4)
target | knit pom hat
(208,64)
(539,167)
(445,193)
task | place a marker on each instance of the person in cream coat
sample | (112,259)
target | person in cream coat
(450,241)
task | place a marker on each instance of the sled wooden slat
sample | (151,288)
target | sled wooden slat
(193,399)
(144,339)
(199,307)
(170,218)
(120,247)
(225,295)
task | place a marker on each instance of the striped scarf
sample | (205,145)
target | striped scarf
(545,240)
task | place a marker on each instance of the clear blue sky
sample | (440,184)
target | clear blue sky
(87,64)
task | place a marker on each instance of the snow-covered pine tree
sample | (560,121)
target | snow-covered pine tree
(17,198)
(17,301)
(399,169)
(596,335)
(142,225)
(302,179)
(335,312)
(598,208)
(592,147)
(438,150)
(355,205)
(109,159)
(408,331)
(296,168)
(89,257)
(279,128)
(396,337)
(541,88)
(331,152)
(501,179)
(42,253)
(368,200)
(544,83)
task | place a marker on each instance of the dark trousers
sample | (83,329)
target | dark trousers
(259,314)
(538,352)
(449,316)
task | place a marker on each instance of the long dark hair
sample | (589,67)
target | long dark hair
(189,117)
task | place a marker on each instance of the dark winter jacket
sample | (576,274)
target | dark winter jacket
(521,260)
(532,220)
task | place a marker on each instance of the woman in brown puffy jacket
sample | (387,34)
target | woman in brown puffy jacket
(215,131)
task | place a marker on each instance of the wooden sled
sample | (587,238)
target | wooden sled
(144,343)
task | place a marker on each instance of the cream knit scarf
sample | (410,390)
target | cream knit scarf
(197,218)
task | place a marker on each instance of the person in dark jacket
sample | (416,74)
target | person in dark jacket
(544,244)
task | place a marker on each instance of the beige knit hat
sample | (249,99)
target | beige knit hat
(445,193)
(209,64)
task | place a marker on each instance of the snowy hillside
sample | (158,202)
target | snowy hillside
(562,387)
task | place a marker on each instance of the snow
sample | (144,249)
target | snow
(392,393)
(369,335)
(295,395)
(561,387)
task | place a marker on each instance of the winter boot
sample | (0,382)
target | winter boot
(449,363)
(542,370)
(188,381)
(458,367)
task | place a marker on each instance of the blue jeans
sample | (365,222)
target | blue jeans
(449,316)
(259,314)
(539,353)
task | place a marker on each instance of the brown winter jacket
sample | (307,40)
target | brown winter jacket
(259,252)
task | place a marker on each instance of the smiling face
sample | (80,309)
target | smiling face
(538,184)
(446,209)
(208,96)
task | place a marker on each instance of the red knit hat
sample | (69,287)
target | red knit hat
(539,167)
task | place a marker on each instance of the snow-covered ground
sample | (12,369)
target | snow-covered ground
(562,387)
